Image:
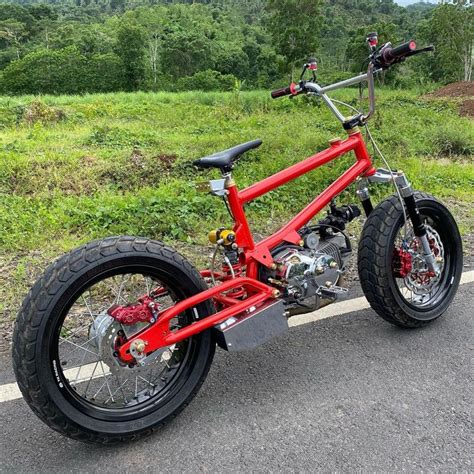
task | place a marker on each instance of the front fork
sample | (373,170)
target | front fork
(406,191)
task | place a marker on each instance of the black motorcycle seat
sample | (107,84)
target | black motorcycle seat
(224,160)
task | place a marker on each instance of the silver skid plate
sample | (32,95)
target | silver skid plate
(251,329)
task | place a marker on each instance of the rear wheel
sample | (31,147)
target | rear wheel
(65,343)
(393,274)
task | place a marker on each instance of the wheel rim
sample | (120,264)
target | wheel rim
(83,361)
(420,289)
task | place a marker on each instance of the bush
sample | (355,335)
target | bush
(207,81)
(65,71)
(45,71)
(38,111)
(450,141)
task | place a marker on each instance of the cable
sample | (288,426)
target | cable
(377,149)
(213,264)
(228,208)
(347,105)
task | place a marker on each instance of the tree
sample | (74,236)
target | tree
(47,72)
(451,30)
(294,25)
(357,50)
(64,71)
(232,60)
(153,50)
(104,73)
(130,48)
(13,32)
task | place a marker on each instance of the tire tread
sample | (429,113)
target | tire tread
(35,307)
(373,247)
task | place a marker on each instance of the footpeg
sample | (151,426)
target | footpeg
(331,291)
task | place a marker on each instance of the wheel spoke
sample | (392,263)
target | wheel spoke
(96,374)
(77,346)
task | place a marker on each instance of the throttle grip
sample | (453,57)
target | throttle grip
(391,54)
(292,89)
(281,92)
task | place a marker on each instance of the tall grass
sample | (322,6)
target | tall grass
(95,165)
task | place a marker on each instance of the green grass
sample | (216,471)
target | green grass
(76,168)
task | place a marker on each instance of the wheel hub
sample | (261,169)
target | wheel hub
(419,278)
(109,335)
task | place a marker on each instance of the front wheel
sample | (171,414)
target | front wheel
(392,271)
(65,342)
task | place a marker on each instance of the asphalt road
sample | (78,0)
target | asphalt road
(342,394)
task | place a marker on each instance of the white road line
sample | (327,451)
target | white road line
(335,309)
(348,306)
(10,391)
(467,277)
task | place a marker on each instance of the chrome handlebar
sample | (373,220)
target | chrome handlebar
(368,77)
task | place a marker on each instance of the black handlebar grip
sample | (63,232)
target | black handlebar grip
(390,54)
(281,92)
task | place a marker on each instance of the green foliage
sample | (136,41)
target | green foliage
(38,111)
(75,168)
(454,142)
(64,71)
(77,46)
(451,29)
(130,49)
(295,26)
(207,81)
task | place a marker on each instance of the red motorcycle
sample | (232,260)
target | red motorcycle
(117,336)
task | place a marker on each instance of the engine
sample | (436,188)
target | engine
(308,276)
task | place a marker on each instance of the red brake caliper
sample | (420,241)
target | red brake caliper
(401,263)
(144,312)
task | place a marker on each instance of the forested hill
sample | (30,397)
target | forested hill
(76,46)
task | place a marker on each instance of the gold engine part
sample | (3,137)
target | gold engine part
(222,236)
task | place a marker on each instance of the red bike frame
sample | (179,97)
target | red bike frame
(254,292)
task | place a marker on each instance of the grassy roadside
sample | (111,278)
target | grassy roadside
(77,168)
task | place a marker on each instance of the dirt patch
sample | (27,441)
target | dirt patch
(166,160)
(462,91)
(467,108)
(137,158)
(456,89)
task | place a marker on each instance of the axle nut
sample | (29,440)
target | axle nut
(138,345)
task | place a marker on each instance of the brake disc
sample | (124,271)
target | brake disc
(105,331)
(411,282)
